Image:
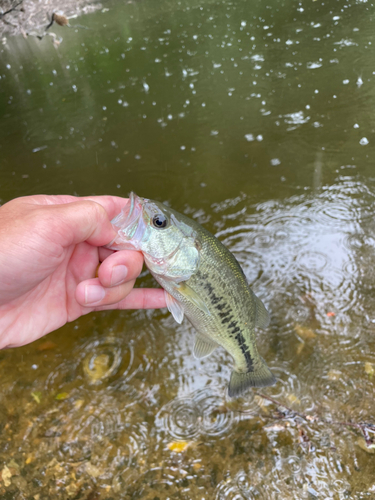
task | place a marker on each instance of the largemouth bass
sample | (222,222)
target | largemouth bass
(203,281)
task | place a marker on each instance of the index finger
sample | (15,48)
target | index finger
(112,204)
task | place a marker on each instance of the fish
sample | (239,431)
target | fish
(202,281)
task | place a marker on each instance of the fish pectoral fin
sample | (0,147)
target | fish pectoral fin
(240,382)
(262,318)
(192,296)
(203,346)
(174,307)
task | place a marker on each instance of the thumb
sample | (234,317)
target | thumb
(82,220)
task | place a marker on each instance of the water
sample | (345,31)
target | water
(256,120)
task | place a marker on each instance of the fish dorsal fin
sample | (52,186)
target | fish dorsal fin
(262,318)
(174,307)
(203,346)
(192,296)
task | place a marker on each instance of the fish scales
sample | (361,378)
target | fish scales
(206,284)
(220,282)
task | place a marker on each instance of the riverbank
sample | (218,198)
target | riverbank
(32,17)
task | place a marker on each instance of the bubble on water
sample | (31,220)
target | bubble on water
(249,137)
(314,65)
(364,141)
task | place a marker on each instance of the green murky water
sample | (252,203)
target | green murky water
(256,119)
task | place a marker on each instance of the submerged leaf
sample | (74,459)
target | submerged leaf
(179,446)
(304,332)
(46,346)
(369,369)
(293,399)
(37,395)
(6,475)
(61,396)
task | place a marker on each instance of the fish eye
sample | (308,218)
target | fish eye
(160,221)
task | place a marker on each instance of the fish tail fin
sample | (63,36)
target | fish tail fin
(240,382)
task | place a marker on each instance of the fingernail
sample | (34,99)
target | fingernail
(93,293)
(119,273)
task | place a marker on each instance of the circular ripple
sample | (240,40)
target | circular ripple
(181,418)
(217,418)
(354,242)
(240,488)
(341,212)
(157,482)
(293,465)
(245,406)
(263,240)
(228,491)
(312,261)
(103,360)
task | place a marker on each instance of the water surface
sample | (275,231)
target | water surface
(254,118)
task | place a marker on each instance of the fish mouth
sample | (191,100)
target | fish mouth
(129,225)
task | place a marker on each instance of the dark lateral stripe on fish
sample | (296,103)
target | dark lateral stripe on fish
(226,320)
(214,298)
(241,342)
(225,314)
(220,307)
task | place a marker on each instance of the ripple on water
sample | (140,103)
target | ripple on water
(105,359)
(204,413)
(245,406)
(156,482)
(241,487)
(288,384)
(217,418)
(293,465)
(312,261)
(182,418)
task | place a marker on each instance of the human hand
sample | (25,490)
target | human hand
(50,249)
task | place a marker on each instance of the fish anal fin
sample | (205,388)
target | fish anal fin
(203,346)
(241,382)
(174,307)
